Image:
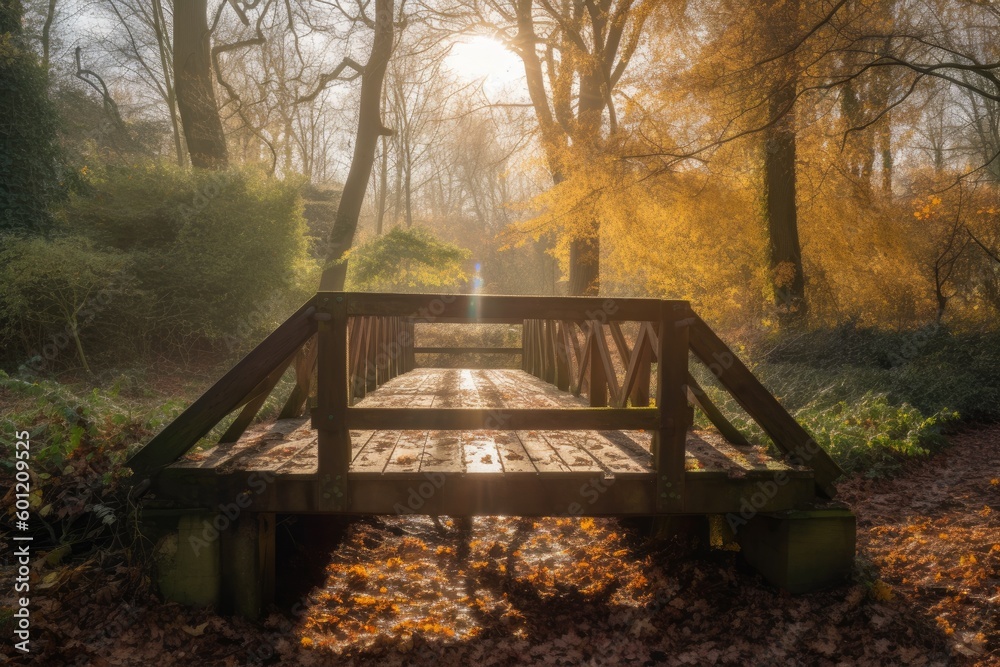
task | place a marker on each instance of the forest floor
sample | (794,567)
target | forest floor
(506,591)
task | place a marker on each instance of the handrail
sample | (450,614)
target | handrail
(468,350)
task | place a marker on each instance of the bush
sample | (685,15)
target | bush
(872,398)
(29,169)
(222,255)
(406,259)
(79,442)
(55,295)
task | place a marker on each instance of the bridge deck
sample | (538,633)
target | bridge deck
(511,463)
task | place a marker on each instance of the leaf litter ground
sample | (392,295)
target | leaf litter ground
(559,591)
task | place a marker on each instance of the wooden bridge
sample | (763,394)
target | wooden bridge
(572,432)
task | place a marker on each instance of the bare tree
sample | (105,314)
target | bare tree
(370,128)
(195,91)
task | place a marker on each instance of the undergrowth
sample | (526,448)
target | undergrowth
(873,398)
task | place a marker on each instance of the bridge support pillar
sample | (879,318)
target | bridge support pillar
(247,565)
(186,556)
(800,550)
(208,559)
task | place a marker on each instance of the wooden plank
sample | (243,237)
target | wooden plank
(529,495)
(407,454)
(639,395)
(525,352)
(582,378)
(549,346)
(564,363)
(513,456)
(576,419)
(479,453)
(375,454)
(699,398)
(409,361)
(624,351)
(258,441)
(225,395)
(541,454)
(306,462)
(371,351)
(305,369)
(216,456)
(568,445)
(627,451)
(608,366)
(274,455)
(260,394)
(472,307)
(467,350)
(784,431)
(617,453)
(632,370)
(357,362)
(442,452)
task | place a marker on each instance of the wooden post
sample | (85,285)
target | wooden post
(356,358)
(563,364)
(598,378)
(671,400)
(371,383)
(640,391)
(332,400)
(411,358)
(397,346)
(381,354)
(549,344)
(526,344)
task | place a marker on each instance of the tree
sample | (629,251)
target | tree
(369,129)
(780,206)
(29,169)
(574,56)
(195,92)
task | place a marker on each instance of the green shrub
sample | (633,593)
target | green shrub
(55,295)
(406,259)
(79,442)
(222,255)
(873,398)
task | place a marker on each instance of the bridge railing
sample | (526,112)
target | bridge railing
(364,339)
(357,341)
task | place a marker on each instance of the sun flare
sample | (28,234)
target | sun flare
(481,57)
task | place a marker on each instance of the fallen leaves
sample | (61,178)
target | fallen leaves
(585,591)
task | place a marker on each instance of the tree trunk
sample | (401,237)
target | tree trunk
(785,261)
(383,187)
(50,16)
(199,111)
(370,128)
(785,253)
(585,247)
(160,28)
(407,185)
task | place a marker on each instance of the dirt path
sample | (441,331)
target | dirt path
(405,590)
